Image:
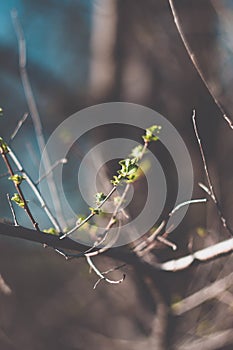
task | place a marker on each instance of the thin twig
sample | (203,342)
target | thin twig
(113,217)
(12,210)
(80,224)
(4,288)
(192,201)
(196,64)
(148,240)
(203,156)
(18,126)
(147,244)
(105,235)
(19,191)
(111,222)
(203,255)
(203,295)
(167,242)
(108,271)
(213,341)
(35,190)
(35,115)
(89,252)
(100,274)
(211,189)
(58,162)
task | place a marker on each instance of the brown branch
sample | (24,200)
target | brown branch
(18,126)
(196,64)
(209,191)
(19,191)
(101,275)
(4,288)
(12,210)
(213,252)
(35,190)
(213,341)
(40,237)
(80,224)
(207,293)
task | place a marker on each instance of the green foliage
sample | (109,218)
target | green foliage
(137,152)
(17,179)
(129,166)
(127,172)
(152,133)
(16,198)
(115,180)
(99,198)
(3,146)
(95,211)
(51,231)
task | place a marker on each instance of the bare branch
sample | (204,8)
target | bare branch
(226,297)
(149,243)
(80,224)
(18,126)
(50,240)
(101,275)
(211,189)
(4,288)
(108,271)
(146,241)
(192,201)
(203,157)
(35,190)
(203,255)
(12,210)
(207,293)
(35,114)
(18,189)
(213,252)
(214,341)
(196,64)
(59,161)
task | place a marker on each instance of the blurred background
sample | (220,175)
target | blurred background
(80,53)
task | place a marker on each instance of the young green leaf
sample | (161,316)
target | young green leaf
(17,179)
(95,211)
(16,198)
(99,198)
(3,146)
(51,231)
(152,133)
(116,180)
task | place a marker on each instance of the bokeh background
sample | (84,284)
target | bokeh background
(87,52)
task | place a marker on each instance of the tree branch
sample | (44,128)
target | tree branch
(196,64)
(207,293)
(40,237)
(213,252)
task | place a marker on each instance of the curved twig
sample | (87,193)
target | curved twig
(196,64)
(101,274)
